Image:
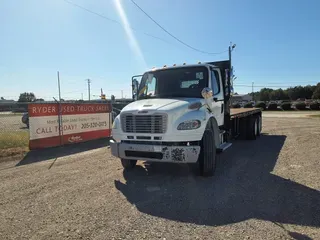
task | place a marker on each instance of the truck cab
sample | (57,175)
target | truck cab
(180,114)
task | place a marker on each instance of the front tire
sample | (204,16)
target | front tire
(128,164)
(207,156)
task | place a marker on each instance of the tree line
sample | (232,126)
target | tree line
(292,93)
(31,97)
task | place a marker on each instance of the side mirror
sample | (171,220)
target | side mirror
(135,87)
(206,93)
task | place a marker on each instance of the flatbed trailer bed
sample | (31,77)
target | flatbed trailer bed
(243,112)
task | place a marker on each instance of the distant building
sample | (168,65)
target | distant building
(7,101)
(241,98)
(7,105)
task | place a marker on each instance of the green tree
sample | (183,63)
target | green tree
(296,92)
(265,94)
(279,94)
(308,91)
(27,97)
(316,92)
(293,93)
(255,96)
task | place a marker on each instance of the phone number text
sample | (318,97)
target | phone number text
(93,125)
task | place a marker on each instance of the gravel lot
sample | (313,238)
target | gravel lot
(11,122)
(264,189)
(289,114)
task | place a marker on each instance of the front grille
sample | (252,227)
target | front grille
(144,123)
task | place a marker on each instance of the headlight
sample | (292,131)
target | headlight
(189,125)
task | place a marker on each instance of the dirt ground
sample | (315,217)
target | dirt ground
(11,122)
(264,189)
(290,114)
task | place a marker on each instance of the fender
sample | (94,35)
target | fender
(213,124)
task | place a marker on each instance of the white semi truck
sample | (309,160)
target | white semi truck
(182,114)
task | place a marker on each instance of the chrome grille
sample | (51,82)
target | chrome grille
(144,123)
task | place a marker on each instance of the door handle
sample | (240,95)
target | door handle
(222,108)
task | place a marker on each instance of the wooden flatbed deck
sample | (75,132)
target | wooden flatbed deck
(242,112)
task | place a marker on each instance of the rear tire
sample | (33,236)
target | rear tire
(207,156)
(252,128)
(259,126)
(128,164)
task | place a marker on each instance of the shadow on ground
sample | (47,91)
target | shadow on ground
(242,188)
(57,152)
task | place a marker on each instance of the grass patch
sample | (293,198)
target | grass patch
(315,116)
(13,143)
(14,139)
(10,115)
(6,154)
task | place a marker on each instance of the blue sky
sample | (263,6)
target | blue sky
(277,42)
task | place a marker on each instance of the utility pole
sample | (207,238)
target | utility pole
(89,81)
(252,92)
(82,96)
(121,93)
(228,81)
(231,47)
(59,86)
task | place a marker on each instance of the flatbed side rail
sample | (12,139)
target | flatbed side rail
(244,113)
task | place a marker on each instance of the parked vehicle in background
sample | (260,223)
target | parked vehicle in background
(182,114)
(25,119)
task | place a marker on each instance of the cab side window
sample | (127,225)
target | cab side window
(215,82)
(149,88)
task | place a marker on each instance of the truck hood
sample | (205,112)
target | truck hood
(163,104)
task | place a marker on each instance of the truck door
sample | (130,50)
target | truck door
(218,100)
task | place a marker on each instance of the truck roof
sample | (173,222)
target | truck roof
(182,66)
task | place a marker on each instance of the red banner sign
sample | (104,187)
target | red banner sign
(54,125)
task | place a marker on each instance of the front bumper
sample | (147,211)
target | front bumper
(155,153)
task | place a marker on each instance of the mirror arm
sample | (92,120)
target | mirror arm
(207,107)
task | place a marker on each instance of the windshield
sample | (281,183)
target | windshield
(179,82)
